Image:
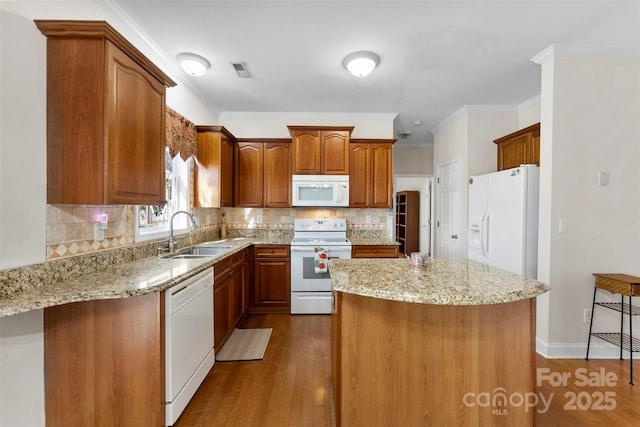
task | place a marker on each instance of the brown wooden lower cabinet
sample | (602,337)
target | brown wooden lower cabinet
(104,362)
(374,251)
(272,279)
(229,295)
(410,364)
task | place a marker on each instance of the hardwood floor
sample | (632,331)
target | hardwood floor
(290,386)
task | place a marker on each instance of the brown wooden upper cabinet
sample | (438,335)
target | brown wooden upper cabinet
(214,168)
(320,150)
(520,147)
(370,177)
(105,117)
(263,174)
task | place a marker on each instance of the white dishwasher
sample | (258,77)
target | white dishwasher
(188,340)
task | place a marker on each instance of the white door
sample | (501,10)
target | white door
(449,215)
(423,184)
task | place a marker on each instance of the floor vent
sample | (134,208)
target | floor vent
(241,69)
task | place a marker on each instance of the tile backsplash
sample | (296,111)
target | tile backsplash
(70,229)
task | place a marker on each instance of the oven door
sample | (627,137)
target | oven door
(303,275)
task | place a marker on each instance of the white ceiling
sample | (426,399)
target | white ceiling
(436,56)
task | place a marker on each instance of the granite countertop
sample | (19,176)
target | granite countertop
(150,274)
(372,241)
(463,282)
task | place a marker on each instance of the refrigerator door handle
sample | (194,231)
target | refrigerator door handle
(484,234)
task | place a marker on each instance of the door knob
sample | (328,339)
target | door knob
(454,236)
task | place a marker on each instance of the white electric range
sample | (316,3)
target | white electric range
(311,290)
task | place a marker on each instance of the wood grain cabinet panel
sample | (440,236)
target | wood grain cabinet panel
(305,148)
(320,150)
(374,251)
(214,167)
(360,176)
(105,117)
(370,176)
(248,174)
(272,279)
(519,148)
(104,362)
(277,175)
(335,152)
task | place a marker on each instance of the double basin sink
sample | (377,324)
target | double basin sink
(200,252)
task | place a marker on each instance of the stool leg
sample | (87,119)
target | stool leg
(593,306)
(621,324)
(630,344)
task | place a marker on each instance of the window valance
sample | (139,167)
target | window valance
(181,135)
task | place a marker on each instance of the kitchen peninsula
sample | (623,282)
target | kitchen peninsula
(451,344)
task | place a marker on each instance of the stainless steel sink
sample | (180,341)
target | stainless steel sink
(201,252)
(190,256)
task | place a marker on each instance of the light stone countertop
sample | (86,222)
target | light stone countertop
(444,282)
(151,274)
(372,241)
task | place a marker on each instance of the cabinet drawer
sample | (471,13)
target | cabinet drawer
(221,269)
(238,258)
(386,251)
(271,251)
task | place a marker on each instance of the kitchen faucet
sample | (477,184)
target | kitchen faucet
(172,239)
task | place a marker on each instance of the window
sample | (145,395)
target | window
(153,220)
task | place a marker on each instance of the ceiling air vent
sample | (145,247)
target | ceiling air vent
(241,69)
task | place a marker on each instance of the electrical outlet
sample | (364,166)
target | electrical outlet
(367,219)
(586,316)
(259,219)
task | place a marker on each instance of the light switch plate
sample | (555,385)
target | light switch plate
(563,227)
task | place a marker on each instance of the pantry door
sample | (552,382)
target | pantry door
(449,213)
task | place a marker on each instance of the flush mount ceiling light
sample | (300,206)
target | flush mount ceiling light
(192,64)
(362,63)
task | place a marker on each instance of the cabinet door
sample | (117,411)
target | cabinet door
(277,175)
(335,152)
(226,172)
(305,147)
(359,176)
(235,296)
(135,130)
(514,152)
(272,282)
(214,170)
(519,147)
(248,174)
(381,176)
(221,325)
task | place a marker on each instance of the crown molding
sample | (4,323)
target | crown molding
(123,22)
(526,104)
(586,51)
(303,115)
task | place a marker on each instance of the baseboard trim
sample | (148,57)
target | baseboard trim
(597,350)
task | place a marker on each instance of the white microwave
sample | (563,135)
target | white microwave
(320,190)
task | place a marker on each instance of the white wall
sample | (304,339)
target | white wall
(412,160)
(590,110)
(468,135)
(274,125)
(23,184)
(529,112)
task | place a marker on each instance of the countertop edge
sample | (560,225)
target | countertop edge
(51,295)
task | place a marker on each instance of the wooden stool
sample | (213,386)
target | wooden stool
(624,285)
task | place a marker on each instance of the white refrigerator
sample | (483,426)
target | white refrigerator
(503,219)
